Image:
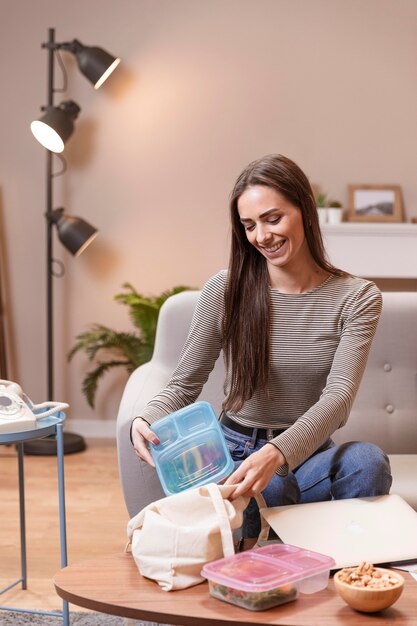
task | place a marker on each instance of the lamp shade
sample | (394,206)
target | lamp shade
(74,233)
(95,63)
(56,126)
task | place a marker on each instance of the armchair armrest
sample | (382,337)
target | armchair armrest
(140,482)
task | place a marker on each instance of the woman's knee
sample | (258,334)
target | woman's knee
(367,455)
(370,462)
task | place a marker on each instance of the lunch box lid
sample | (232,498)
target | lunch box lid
(192,449)
(266,568)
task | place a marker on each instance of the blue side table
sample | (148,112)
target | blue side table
(45,427)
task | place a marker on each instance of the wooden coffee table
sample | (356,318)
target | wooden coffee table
(112,584)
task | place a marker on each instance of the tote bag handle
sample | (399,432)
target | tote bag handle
(263,535)
(224,523)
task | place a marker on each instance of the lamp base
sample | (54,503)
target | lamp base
(47,445)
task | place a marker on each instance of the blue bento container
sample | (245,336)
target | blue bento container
(192,449)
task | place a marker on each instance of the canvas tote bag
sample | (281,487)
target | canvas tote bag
(171,539)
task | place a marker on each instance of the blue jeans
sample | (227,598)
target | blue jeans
(334,472)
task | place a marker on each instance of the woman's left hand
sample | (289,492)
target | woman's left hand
(253,475)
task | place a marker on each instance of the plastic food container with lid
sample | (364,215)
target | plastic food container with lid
(265,577)
(192,449)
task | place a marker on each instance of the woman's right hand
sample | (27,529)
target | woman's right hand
(141,436)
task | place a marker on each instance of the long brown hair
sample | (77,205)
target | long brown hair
(246,324)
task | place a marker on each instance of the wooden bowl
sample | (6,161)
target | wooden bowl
(369,600)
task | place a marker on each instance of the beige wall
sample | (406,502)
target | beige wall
(205,87)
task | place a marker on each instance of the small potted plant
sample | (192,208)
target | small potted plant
(334,212)
(330,211)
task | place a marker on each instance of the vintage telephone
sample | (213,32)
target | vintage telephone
(17,411)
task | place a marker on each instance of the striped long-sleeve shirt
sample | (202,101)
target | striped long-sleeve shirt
(320,342)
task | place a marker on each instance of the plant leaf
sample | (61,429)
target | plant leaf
(103,338)
(144,311)
(133,348)
(90,382)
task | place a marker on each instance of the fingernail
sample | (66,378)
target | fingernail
(155,441)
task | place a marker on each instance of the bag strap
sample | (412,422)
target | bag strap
(224,522)
(263,535)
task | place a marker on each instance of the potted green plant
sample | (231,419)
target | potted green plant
(329,211)
(322,201)
(121,349)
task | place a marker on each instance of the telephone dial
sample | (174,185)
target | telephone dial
(17,411)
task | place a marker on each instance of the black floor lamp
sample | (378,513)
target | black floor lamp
(52,130)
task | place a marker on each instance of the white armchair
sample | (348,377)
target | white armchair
(384,412)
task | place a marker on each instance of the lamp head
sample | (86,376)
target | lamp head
(56,126)
(95,63)
(74,233)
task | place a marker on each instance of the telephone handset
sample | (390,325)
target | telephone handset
(17,411)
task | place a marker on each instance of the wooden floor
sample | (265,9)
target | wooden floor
(96,518)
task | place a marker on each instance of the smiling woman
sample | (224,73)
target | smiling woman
(295,333)
(272,204)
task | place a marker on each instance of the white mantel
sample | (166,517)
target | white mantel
(374,250)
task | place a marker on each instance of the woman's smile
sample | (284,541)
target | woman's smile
(273,249)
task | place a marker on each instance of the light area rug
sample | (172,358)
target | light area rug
(13,618)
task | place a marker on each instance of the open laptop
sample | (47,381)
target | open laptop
(381,529)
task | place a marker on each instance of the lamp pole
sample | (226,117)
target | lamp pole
(49,225)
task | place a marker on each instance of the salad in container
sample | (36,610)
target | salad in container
(266,577)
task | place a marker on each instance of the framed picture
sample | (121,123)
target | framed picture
(375,203)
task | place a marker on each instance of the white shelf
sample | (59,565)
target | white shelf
(376,250)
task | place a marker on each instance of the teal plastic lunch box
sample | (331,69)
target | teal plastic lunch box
(192,449)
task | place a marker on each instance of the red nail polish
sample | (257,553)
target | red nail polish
(155,441)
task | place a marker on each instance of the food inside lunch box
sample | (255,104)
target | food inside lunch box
(262,578)
(254,600)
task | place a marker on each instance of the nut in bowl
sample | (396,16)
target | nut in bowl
(367,588)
